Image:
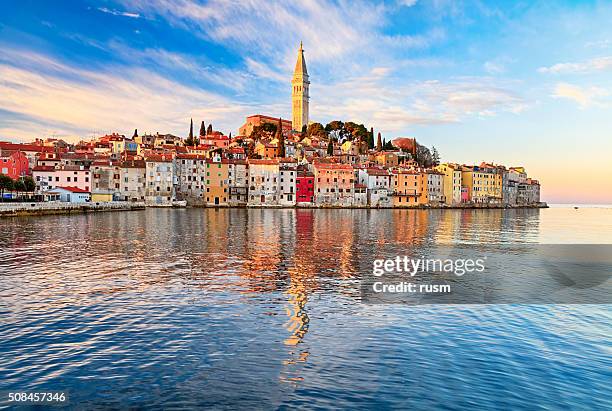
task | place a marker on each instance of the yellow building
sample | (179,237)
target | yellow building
(483,183)
(407,187)
(101,197)
(217,182)
(452,182)
(387,158)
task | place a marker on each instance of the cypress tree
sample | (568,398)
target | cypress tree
(281,138)
(379,144)
(209,130)
(202,129)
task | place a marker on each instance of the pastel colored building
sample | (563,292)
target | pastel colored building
(406,186)
(238,174)
(217,182)
(191,177)
(378,183)
(287,182)
(106,177)
(264,176)
(435,184)
(132,182)
(451,189)
(333,184)
(159,179)
(257,120)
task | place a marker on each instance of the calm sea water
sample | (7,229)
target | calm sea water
(260,309)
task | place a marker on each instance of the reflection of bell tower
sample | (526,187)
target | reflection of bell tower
(299,92)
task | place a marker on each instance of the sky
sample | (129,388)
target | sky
(511,82)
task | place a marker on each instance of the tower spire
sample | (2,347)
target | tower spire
(299,92)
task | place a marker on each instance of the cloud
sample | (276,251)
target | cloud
(393,105)
(119,13)
(66,101)
(407,3)
(594,65)
(584,96)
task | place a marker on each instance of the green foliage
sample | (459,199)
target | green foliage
(423,156)
(29,183)
(435,156)
(202,129)
(209,130)
(265,130)
(304,128)
(6,184)
(334,125)
(330,148)
(316,130)
(19,186)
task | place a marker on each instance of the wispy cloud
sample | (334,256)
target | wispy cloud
(590,66)
(119,13)
(584,96)
(68,101)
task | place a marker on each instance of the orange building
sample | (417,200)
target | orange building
(257,120)
(334,184)
(407,187)
(217,182)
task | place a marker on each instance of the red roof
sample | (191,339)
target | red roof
(263,161)
(43,168)
(74,189)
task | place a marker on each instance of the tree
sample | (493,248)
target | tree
(29,183)
(135,133)
(379,145)
(189,141)
(6,184)
(304,128)
(334,125)
(316,130)
(263,131)
(330,148)
(209,130)
(281,138)
(202,129)
(371,138)
(19,187)
(388,145)
(423,156)
(435,156)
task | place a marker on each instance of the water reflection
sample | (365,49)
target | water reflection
(260,302)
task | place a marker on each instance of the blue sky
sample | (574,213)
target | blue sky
(526,83)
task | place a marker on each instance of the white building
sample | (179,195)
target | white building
(435,193)
(132,183)
(264,185)
(378,184)
(238,182)
(159,179)
(190,172)
(69,194)
(287,182)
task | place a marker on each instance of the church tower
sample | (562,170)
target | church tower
(299,93)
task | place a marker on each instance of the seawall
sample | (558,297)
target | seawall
(25,209)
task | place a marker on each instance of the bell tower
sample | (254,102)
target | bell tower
(299,93)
